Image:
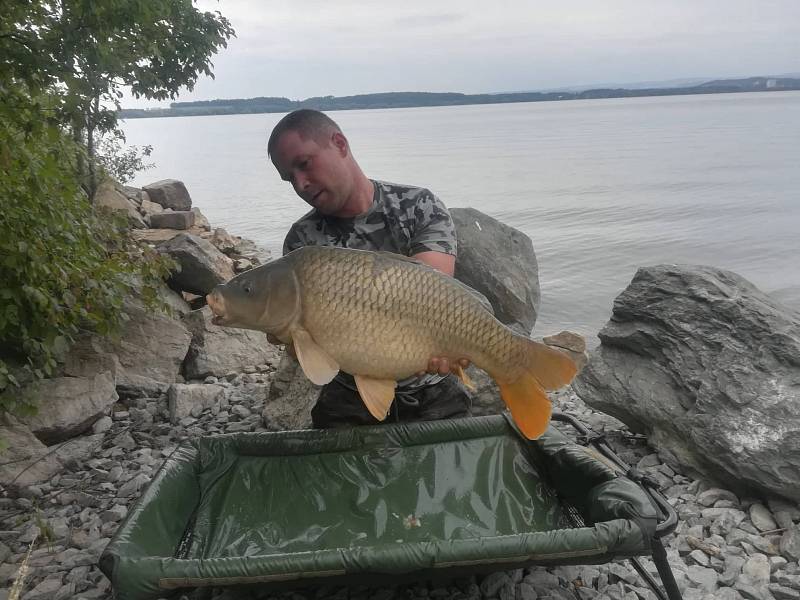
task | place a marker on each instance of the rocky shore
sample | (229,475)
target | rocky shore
(54,523)
(726,547)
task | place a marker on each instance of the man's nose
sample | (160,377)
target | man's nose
(300,182)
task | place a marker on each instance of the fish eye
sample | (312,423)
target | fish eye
(247,288)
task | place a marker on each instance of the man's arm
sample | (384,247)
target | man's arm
(446,263)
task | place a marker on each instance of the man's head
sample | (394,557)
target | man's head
(310,151)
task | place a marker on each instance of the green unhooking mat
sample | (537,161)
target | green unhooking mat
(371,503)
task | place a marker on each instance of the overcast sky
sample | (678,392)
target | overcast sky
(304,48)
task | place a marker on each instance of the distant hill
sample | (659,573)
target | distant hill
(412,99)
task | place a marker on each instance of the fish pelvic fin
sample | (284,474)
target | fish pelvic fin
(526,397)
(377,394)
(318,365)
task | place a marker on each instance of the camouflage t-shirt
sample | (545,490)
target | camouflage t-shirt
(403,219)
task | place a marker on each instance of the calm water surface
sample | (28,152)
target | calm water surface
(600,186)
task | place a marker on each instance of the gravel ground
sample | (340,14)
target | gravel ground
(726,546)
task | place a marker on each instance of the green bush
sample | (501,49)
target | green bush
(64,267)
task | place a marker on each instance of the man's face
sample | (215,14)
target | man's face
(317,170)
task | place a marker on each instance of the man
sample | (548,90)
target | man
(350,210)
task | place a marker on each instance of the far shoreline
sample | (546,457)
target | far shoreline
(424,99)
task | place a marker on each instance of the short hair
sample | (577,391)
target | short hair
(305,121)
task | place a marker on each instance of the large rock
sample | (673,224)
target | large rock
(147,355)
(499,262)
(200,220)
(134,194)
(68,406)
(25,460)
(169,193)
(108,196)
(173,219)
(159,236)
(201,265)
(220,350)
(290,398)
(708,367)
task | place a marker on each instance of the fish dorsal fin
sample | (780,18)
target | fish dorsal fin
(318,365)
(377,394)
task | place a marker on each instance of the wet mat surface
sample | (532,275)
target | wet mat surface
(480,487)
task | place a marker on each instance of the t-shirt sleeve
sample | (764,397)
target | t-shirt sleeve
(293,241)
(433,229)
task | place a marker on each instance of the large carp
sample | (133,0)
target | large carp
(380,317)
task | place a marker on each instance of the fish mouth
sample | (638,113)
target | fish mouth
(217,305)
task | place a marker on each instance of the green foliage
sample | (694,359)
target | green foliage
(119,162)
(86,51)
(64,266)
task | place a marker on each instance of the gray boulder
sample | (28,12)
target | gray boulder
(134,194)
(290,397)
(152,345)
(499,262)
(145,358)
(169,193)
(200,220)
(147,208)
(68,406)
(201,265)
(223,241)
(25,460)
(108,196)
(708,367)
(173,219)
(220,350)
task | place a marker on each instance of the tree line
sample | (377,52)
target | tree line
(412,99)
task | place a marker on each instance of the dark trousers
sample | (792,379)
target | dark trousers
(339,405)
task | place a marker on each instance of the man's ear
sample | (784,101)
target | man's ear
(340,142)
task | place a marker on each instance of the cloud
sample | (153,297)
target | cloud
(317,47)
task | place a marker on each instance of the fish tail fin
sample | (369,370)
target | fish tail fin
(543,369)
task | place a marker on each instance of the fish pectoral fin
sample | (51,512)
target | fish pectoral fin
(465,379)
(318,365)
(377,394)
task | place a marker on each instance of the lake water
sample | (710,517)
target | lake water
(600,186)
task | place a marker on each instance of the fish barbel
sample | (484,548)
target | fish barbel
(380,317)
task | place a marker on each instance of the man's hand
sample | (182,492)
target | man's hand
(443,366)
